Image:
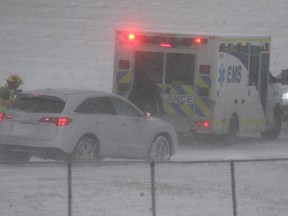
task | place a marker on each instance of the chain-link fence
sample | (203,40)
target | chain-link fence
(244,187)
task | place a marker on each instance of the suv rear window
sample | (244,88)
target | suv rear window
(38,103)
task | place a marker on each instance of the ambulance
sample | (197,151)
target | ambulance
(210,84)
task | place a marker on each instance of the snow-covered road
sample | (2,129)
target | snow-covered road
(248,147)
(124,188)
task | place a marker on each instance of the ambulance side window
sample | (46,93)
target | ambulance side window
(254,70)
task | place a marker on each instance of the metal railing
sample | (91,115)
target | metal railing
(220,187)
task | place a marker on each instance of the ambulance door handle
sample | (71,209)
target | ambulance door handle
(235,101)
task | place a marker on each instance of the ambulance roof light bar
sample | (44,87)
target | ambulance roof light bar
(131,36)
(165,42)
(167,45)
(197,40)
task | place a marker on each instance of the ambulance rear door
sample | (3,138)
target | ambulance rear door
(173,69)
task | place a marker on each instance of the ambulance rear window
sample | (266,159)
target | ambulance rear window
(180,68)
(149,63)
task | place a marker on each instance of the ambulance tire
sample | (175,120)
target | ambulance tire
(274,133)
(231,136)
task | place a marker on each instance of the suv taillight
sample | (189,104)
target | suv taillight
(58,121)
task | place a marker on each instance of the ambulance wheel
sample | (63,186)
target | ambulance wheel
(275,131)
(231,136)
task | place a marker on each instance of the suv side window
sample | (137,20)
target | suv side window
(96,105)
(123,108)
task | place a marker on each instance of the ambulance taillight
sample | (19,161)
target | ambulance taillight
(202,124)
(205,124)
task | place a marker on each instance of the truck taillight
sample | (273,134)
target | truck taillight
(58,121)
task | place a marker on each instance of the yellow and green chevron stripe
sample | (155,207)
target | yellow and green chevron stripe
(202,101)
(124,83)
(177,99)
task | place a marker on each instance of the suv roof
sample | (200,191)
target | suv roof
(64,92)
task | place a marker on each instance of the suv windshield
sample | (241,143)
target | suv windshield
(38,103)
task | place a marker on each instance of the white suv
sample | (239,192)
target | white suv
(82,125)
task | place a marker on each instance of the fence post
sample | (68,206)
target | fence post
(233,184)
(153,188)
(69,189)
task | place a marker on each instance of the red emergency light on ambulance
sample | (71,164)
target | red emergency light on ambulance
(210,84)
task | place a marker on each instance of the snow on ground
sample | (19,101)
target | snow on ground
(248,147)
(120,187)
(124,188)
